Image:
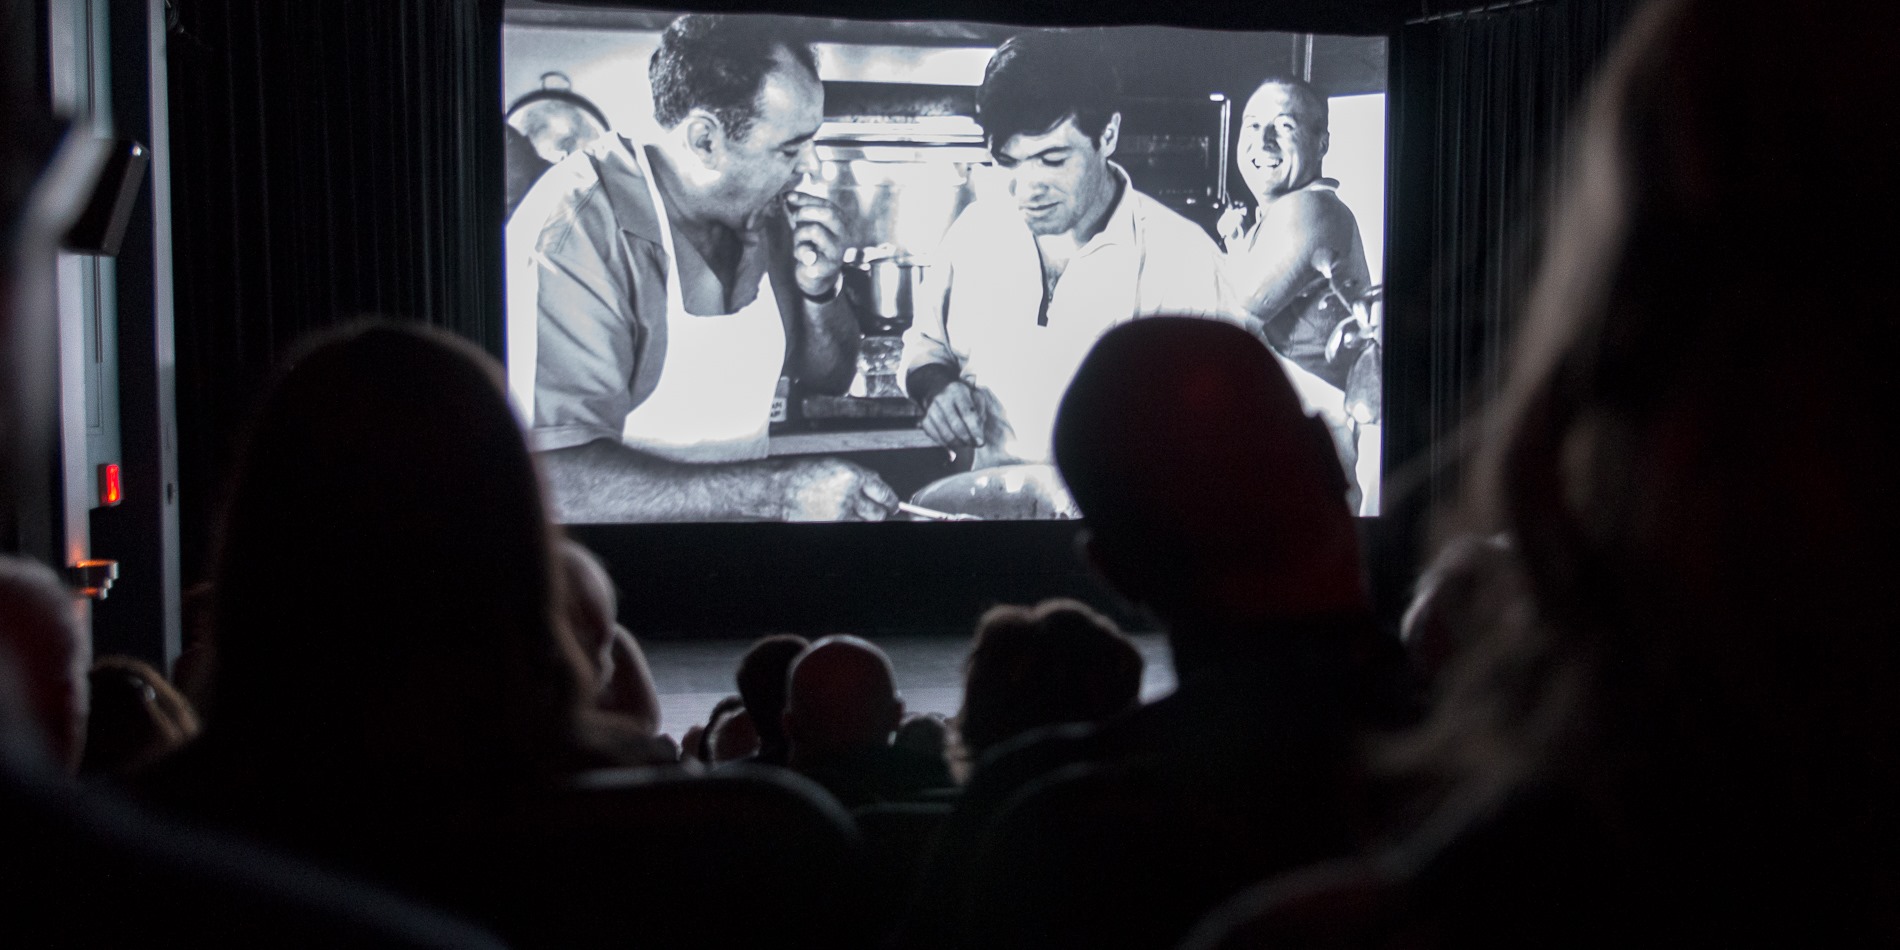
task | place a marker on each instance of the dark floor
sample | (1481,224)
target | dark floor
(693,675)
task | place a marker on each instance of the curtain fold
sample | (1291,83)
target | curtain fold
(1482,106)
(332,160)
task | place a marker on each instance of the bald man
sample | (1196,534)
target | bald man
(841,710)
(1300,265)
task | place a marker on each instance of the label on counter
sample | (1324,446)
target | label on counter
(781,399)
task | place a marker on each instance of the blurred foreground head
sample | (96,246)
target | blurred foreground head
(1211,497)
(1693,456)
(384,581)
(40,631)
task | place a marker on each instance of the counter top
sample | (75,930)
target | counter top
(834,443)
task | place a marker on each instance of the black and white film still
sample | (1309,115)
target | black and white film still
(767,268)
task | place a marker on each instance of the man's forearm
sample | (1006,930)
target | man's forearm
(926,380)
(603,482)
(828,342)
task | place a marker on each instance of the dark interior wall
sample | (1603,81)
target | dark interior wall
(338,158)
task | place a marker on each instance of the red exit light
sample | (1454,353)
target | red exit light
(111,491)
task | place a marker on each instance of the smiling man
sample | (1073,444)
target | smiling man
(1300,264)
(674,282)
(1030,283)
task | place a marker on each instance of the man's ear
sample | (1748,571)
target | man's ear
(1325,142)
(705,137)
(897,712)
(1111,134)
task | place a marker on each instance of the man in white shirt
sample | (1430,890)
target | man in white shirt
(1029,285)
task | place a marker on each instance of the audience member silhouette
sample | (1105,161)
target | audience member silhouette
(1217,505)
(136,718)
(39,623)
(622,681)
(697,744)
(732,737)
(81,868)
(841,709)
(389,663)
(762,675)
(1056,662)
(85,869)
(1687,735)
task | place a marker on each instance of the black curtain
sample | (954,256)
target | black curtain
(1482,102)
(332,160)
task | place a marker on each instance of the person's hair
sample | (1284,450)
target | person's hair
(762,678)
(725,707)
(1037,80)
(137,717)
(1185,446)
(1300,87)
(384,576)
(1686,453)
(1056,662)
(718,62)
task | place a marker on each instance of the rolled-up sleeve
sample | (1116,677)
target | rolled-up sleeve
(928,339)
(577,278)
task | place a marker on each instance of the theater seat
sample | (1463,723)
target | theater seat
(660,858)
(898,836)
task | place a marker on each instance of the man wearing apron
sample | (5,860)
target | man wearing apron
(673,284)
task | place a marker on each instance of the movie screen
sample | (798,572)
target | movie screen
(768,268)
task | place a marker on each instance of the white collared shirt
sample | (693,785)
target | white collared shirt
(981,319)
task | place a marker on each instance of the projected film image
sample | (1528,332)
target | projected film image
(770,268)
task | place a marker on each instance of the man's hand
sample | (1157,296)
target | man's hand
(828,489)
(817,248)
(956,417)
(1232,225)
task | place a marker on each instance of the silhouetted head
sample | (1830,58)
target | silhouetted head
(842,699)
(1036,666)
(731,736)
(39,626)
(384,579)
(1208,491)
(762,676)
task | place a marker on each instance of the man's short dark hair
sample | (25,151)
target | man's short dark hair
(1305,91)
(1037,80)
(762,681)
(718,63)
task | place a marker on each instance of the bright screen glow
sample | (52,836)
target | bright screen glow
(775,296)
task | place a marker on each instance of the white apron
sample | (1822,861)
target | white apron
(713,400)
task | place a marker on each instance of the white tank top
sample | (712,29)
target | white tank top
(713,400)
